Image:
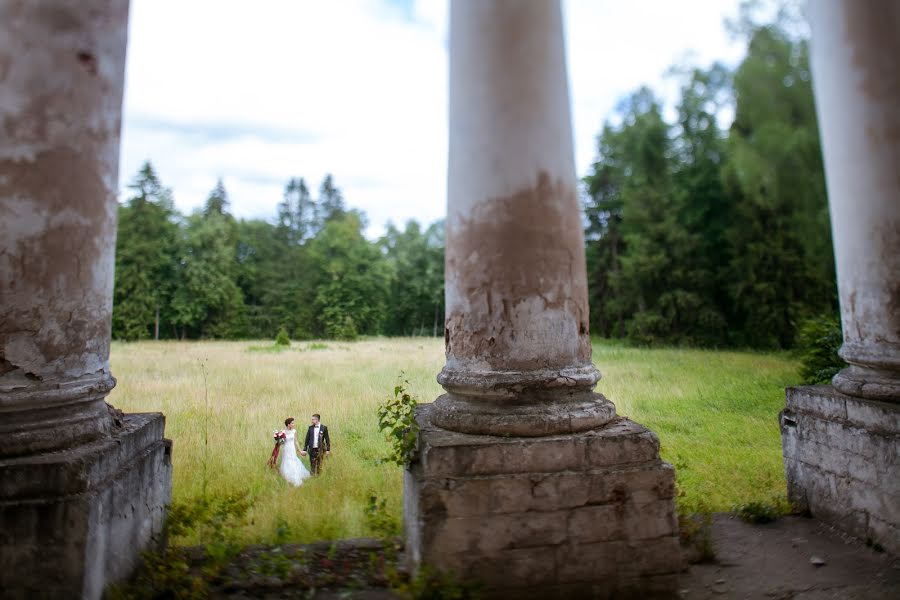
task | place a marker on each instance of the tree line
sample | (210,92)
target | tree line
(704,236)
(311,271)
(694,234)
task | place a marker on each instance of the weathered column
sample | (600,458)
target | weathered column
(841,442)
(525,479)
(856,75)
(69,464)
(518,349)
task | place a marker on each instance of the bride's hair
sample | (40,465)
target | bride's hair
(288,421)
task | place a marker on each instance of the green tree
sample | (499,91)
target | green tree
(781,268)
(416,297)
(330,205)
(207,301)
(296,213)
(146,258)
(352,279)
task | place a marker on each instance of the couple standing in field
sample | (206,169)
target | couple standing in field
(317,444)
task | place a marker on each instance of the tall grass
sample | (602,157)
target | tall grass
(715,414)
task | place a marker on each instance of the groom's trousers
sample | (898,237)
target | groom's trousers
(315,461)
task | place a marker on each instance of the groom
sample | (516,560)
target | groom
(317,442)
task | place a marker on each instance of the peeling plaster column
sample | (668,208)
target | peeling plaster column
(62,68)
(517,343)
(856,77)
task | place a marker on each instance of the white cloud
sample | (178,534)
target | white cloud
(257,92)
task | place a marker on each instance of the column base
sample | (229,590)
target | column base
(73,521)
(867,382)
(570,413)
(841,461)
(590,514)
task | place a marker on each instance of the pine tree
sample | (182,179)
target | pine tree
(146,258)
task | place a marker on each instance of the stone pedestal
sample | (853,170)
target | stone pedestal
(73,521)
(842,461)
(568,516)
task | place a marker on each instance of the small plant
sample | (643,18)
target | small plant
(695,529)
(433,584)
(379,520)
(282,338)
(168,574)
(818,343)
(397,419)
(165,574)
(761,512)
(282,531)
(317,346)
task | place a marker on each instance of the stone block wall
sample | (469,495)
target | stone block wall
(842,461)
(589,514)
(75,520)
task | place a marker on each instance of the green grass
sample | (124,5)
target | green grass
(715,414)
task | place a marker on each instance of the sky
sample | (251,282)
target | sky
(257,92)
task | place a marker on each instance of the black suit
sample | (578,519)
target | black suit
(324,446)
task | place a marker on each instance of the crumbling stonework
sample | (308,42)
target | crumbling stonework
(583,515)
(75,520)
(842,463)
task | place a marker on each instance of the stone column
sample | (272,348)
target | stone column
(518,349)
(525,480)
(856,75)
(69,463)
(62,72)
(841,441)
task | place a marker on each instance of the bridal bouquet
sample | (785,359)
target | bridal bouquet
(280,438)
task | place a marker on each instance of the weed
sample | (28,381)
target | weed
(379,521)
(761,512)
(397,420)
(695,528)
(433,584)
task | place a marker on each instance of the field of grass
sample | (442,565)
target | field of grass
(715,414)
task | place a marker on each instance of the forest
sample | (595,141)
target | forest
(696,234)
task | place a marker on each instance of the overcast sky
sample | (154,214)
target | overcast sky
(256,92)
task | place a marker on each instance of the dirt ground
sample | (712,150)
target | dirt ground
(792,558)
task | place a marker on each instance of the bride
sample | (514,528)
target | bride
(291,467)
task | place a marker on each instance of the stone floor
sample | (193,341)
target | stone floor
(793,558)
(778,561)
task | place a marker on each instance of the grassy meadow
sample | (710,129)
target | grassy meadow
(715,414)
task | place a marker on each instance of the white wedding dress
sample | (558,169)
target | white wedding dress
(292,468)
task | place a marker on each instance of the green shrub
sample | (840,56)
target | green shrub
(762,512)
(818,342)
(282,338)
(397,419)
(380,522)
(433,584)
(695,528)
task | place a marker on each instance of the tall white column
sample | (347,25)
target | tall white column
(517,342)
(62,68)
(856,77)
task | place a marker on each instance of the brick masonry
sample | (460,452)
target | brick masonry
(842,461)
(584,515)
(73,521)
